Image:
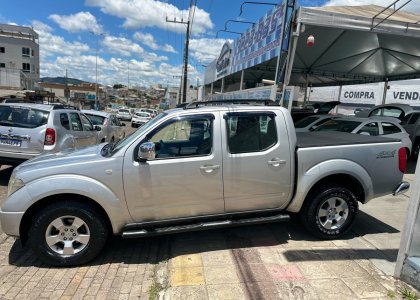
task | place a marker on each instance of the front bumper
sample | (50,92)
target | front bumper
(10,222)
(401,188)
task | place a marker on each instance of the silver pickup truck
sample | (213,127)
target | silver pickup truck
(197,168)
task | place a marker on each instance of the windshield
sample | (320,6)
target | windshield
(128,139)
(96,120)
(338,125)
(126,111)
(23,117)
(142,115)
(305,122)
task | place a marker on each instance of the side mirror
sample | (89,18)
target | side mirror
(147,151)
(98,128)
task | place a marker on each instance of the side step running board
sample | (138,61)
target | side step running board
(135,233)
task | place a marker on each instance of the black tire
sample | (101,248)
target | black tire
(316,201)
(95,221)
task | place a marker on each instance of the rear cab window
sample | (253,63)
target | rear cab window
(22,117)
(250,132)
(389,128)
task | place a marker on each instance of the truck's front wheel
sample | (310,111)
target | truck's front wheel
(68,233)
(329,211)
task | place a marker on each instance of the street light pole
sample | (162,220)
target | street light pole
(96,66)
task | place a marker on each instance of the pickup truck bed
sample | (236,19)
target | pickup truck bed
(331,138)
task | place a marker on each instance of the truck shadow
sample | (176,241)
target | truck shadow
(242,242)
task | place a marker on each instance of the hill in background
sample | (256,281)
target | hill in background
(62,80)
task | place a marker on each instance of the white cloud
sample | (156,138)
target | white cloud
(82,21)
(50,44)
(151,13)
(148,40)
(205,50)
(126,47)
(414,6)
(122,46)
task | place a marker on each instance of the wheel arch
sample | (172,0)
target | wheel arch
(31,212)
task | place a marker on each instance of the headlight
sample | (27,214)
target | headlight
(14,185)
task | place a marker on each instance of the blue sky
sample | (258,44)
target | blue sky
(134,38)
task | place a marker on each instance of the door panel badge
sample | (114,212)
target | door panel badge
(386,154)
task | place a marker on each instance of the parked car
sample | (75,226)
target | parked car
(27,130)
(395,110)
(375,126)
(310,123)
(198,168)
(112,129)
(124,114)
(314,109)
(152,112)
(140,118)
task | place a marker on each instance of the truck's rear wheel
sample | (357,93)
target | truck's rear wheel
(68,234)
(329,211)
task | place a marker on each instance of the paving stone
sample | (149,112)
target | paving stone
(260,290)
(188,293)
(270,255)
(221,274)
(226,291)
(366,287)
(285,273)
(253,273)
(184,261)
(332,289)
(217,258)
(346,269)
(187,276)
(248,256)
(299,290)
(316,269)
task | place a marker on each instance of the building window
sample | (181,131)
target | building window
(26,52)
(2,50)
(2,65)
(33,52)
(26,67)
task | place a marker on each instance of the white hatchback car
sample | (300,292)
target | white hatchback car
(124,114)
(383,126)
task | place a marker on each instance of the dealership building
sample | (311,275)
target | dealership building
(361,56)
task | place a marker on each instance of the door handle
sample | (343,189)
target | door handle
(275,162)
(209,168)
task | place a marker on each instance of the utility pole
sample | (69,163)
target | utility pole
(128,75)
(66,91)
(193,4)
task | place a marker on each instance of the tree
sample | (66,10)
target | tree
(118,86)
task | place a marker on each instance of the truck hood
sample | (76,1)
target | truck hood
(52,161)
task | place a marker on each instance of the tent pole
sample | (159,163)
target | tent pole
(385,91)
(223,85)
(242,80)
(306,90)
(339,98)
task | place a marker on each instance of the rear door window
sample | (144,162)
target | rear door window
(64,120)
(76,124)
(389,128)
(413,119)
(22,117)
(250,132)
(96,120)
(370,129)
(87,125)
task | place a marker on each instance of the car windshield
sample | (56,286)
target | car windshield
(124,111)
(305,122)
(128,139)
(95,119)
(142,115)
(23,117)
(338,125)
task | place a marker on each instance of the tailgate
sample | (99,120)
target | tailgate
(22,129)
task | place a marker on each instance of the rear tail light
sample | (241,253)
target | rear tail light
(49,137)
(402,160)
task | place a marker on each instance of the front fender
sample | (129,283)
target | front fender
(327,168)
(36,190)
